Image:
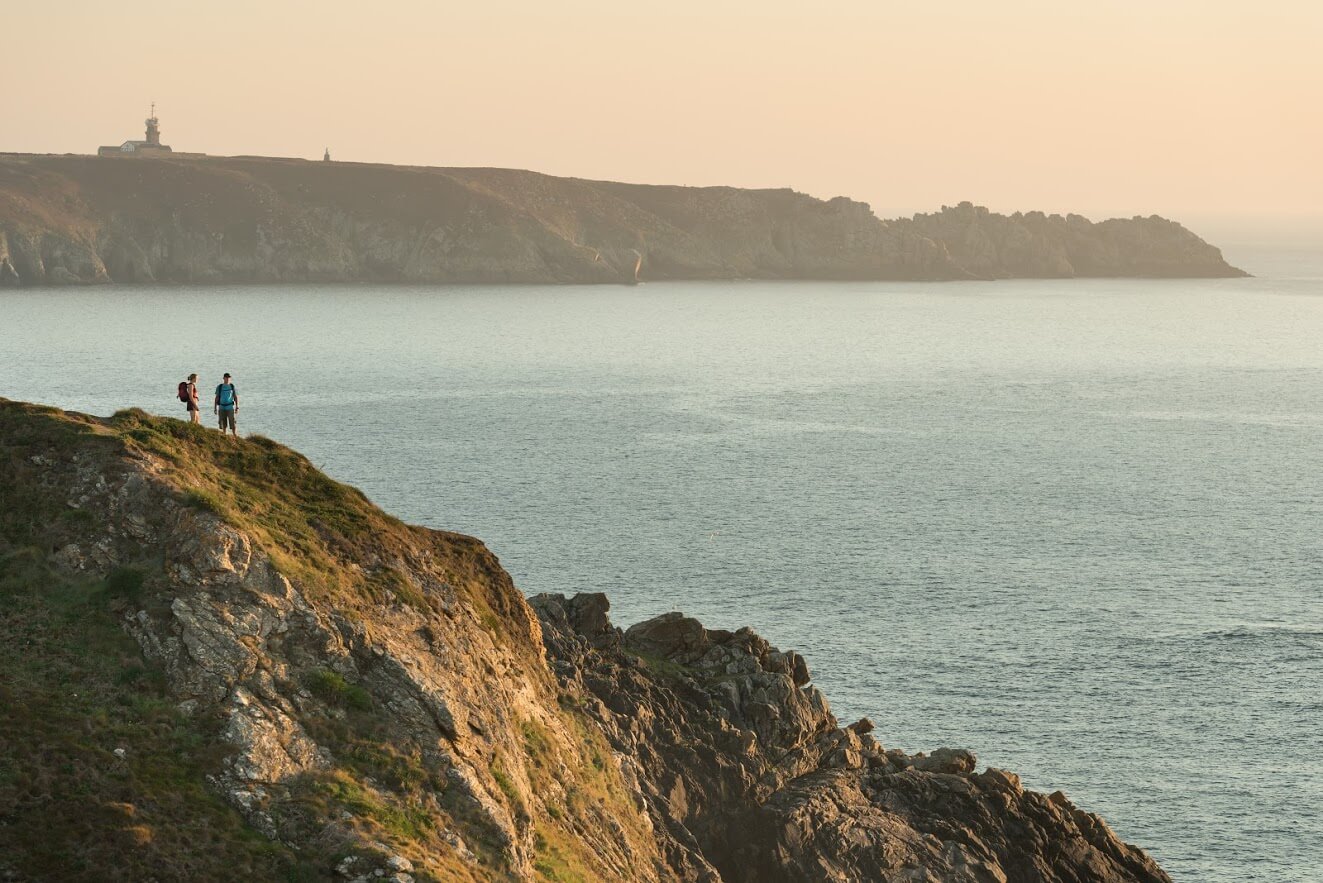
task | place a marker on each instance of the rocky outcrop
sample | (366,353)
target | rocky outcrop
(377,701)
(84,220)
(1035,245)
(735,748)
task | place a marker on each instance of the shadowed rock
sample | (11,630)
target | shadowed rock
(745,767)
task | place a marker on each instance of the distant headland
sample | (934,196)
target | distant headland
(142,213)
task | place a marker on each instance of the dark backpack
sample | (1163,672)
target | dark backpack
(183,391)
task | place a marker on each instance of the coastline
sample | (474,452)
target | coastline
(78,220)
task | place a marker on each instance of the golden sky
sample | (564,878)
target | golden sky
(1184,108)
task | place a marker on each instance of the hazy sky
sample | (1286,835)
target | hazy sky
(1190,108)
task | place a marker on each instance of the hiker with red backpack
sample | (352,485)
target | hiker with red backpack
(188,394)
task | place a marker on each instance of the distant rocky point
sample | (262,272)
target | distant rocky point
(68,220)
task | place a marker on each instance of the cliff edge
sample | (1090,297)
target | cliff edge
(218,663)
(68,220)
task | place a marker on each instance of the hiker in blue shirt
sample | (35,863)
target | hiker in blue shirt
(227,405)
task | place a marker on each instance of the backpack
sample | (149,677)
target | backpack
(183,391)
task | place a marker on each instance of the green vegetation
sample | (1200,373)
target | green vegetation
(592,792)
(339,789)
(554,864)
(535,740)
(309,523)
(507,786)
(316,531)
(32,439)
(665,668)
(101,777)
(311,526)
(399,769)
(390,789)
(204,501)
(74,690)
(124,582)
(333,689)
(387,583)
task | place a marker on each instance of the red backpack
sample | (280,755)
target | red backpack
(183,391)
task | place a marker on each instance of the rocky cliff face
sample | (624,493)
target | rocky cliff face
(75,219)
(221,664)
(737,750)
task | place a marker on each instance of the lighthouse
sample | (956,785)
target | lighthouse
(153,128)
(150,147)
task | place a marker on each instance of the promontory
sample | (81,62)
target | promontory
(217,663)
(72,219)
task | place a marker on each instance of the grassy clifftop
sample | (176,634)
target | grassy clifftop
(218,663)
(315,528)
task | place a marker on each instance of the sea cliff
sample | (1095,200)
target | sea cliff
(218,663)
(67,220)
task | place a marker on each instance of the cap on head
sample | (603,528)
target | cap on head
(227,376)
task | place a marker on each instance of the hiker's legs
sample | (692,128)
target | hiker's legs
(195,415)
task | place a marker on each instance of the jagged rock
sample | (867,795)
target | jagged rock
(806,800)
(585,616)
(1035,245)
(947,760)
(999,780)
(672,636)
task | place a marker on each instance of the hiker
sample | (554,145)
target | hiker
(227,405)
(188,394)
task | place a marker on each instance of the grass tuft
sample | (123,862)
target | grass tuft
(506,784)
(204,501)
(124,582)
(332,688)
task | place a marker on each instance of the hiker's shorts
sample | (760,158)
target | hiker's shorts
(227,420)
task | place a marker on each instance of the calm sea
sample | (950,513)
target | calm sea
(1074,526)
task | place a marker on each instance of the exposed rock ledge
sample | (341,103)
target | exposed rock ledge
(739,751)
(68,220)
(377,701)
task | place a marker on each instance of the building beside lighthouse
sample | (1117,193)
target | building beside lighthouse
(149,147)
